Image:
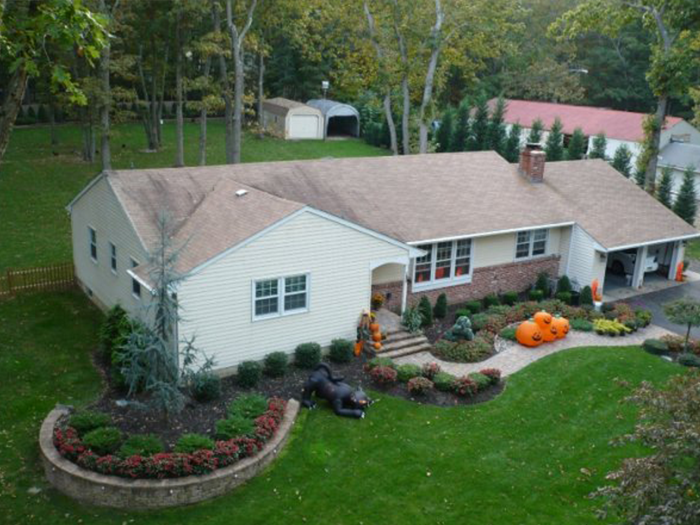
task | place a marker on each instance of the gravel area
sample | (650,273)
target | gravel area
(513,357)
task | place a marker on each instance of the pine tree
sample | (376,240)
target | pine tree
(444,132)
(511,150)
(497,128)
(478,140)
(577,145)
(663,191)
(535,136)
(460,130)
(639,177)
(600,143)
(554,146)
(686,202)
(622,161)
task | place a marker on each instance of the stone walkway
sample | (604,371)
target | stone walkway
(514,357)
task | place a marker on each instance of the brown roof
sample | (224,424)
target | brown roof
(282,106)
(411,198)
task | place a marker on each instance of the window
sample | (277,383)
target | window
(113,257)
(281,296)
(531,243)
(93,243)
(444,262)
(135,285)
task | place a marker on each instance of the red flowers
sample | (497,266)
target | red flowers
(384,375)
(494,374)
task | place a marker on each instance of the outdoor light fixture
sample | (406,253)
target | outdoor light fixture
(324,86)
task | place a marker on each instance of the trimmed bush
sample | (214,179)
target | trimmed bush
(88,420)
(406,372)
(582,325)
(114,331)
(307,355)
(440,310)
(249,374)
(536,295)
(563,284)
(491,300)
(643,317)
(542,284)
(482,381)
(474,307)
(444,382)
(426,312)
(189,443)
(493,323)
(419,385)
(206,386)
(508,333)
(248,406)
(103,441)
(494,374)
(463,351)
(379,361)
(412,319)
(655,346)
(586,297)
(564,297)
(275,364)
(689,360)
(430,370)
(234,426)
(510,298)
(340,351)
(141,445)
(464,386)
(463,312)
(383,375)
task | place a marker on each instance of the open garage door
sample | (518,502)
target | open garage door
(632,268)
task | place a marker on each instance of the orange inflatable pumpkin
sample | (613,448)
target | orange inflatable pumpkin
(543,319)
(377,336)
(562,326)
(529,333)
(550,333)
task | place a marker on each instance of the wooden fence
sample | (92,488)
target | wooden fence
(41,279)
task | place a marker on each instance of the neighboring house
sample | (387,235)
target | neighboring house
(340,119)
(679,157)
(276,254)
(620,127)
(289,119)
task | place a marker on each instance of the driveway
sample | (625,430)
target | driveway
(654,301)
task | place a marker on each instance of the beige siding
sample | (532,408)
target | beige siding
(564,246)
(583,258)
(274,124)
(100,209)
(388,273)
(217,302)
(500,249)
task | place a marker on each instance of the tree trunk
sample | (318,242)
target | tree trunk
(105,150)
(430,77)
(261,92)
(659,117)
(179,120)
(52,124)
(226,92)
(203,121)
(405,93)
(161,100)
(11,106)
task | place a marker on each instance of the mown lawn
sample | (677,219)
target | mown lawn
(36,185)
(692,250)
(529,457)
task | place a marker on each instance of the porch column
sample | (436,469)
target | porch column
(638,275)
(404,289)
(676,257)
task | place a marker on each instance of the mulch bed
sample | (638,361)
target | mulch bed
(440,326)
(201,418)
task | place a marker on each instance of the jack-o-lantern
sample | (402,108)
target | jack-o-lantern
(377,336)
(529,333)
(543,319)
(562,326)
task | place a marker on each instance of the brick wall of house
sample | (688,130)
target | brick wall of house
(516,276)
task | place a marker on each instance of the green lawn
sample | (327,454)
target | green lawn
(36,185)
(692,251)
(520,459)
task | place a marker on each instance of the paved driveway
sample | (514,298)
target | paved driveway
(653,301)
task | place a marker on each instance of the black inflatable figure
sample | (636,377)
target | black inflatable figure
(346,401)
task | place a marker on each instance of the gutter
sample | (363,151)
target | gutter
(496,232)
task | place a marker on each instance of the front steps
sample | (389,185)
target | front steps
(400,343)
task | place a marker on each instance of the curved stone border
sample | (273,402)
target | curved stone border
(140,494)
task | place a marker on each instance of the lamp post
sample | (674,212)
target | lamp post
(324,86)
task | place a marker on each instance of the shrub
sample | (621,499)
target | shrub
(564,297)
(248,406)
(542,284)
(141,445)
(275,364)
(508,333)
(464,386)
(419,385)
(406,372)
(474,307)
(586,297)
(461,331)
(499,309)
(249,373)
(87,420)
(463,351)
(510,298)
(412,320)
(307,355)
(582,325)
(103,441)
(383,375)
(426,312)
(482,381)
(444,382)
(340,351)
(493,323)
(491,300)
(206,386)
(536,295)
(379,361)
(113,331)
(440,310)
(494,374)
(610,327)
(655,346)
(689,359)
(563,284)
(643,317)
(676,344)
(430,370)
(234,426)
(189,443)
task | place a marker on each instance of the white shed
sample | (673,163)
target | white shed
(289,119)
(341,119)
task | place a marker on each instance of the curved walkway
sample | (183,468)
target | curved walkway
(514,357)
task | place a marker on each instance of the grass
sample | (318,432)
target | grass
(529,457)
(692,250)
(36,185)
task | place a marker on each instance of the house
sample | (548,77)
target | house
(620,127)
(289,119)
(678,157)
(340,119)
(280,253)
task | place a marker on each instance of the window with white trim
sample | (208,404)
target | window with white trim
(281,296)
(113,257)
(444,262)
(135,285)
(531,243)
(92,235)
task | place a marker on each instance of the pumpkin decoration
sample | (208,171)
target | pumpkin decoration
(377,346)
(550,333)
(562,326)
(374,327)
(358,348)
(376,336)
(529,333)
(543,319)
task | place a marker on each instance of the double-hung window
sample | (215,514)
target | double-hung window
(281,296)
(92,237)
(135,285)
(443,263)
(531,243)
(113,257)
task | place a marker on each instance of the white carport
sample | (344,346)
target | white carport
(340,119)
(289,119)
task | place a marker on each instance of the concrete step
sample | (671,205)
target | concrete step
(400,336)
(423,347)
(391,344)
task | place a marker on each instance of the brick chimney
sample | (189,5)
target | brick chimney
(532,162)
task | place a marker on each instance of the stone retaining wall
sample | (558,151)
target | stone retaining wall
(140,494)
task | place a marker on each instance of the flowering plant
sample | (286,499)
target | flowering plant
(384,375)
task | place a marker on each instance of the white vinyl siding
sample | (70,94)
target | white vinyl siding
(581,259)
(444,264)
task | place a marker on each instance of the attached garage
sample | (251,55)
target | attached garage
(341,119)
(289,119)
